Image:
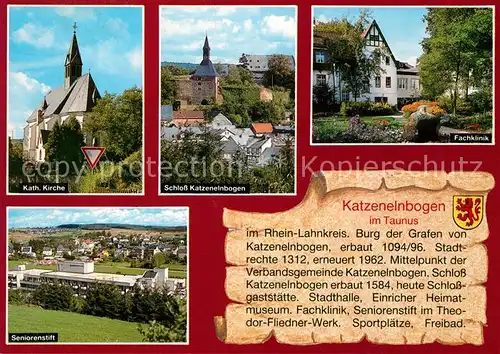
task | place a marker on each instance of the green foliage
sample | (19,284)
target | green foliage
(238,76)
(349,109)
(54,296)
(122,177)
(20,297)
(117,121)
(64,143)
(105,300)
(174,332)
(280,73)
(168,87)
(323,96)
(243,105)
(205,150)
(347,53)
(457,52)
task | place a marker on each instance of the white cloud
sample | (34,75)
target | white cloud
(134,57)
(35,35)
(25,93)
(171,28)
(192,46)
(279,25)
(225,10)
(107,56)
(76,13)
(27,83)
(118,26)
(35,217)
(247,25)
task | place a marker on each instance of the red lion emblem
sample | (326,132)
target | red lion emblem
(470,210)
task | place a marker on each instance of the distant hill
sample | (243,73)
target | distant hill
(187,66)
(107,226)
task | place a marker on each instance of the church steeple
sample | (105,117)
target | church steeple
(206,50)
(73,63)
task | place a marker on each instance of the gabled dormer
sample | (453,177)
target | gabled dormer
(375,39)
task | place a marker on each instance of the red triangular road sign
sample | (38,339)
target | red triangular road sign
(92,154)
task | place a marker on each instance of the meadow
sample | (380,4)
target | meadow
(71,327)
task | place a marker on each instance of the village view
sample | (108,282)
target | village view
(133,275)
(227,117)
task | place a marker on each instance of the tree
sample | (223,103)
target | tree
(159,259)
(173,332)
(243,61)
(458,52)
(117,121)
(238,75)
(54,296)
(323,96)
(16,161)
(168,87)
(280,72)
(64,143)
(348,54)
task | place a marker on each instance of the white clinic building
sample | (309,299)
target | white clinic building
(396,79)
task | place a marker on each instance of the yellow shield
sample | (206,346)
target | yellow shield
(468,211)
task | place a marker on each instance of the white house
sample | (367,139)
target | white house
(395,80)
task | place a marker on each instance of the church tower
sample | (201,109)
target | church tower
(73,64)
(206,51)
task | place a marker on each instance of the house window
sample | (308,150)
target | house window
(320,79)
(403,83)
(345,96)
(320,58)
(414,84)
(377,81)
(388,82)
(381,99)
(387,60)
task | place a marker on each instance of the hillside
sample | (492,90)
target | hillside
(107,226)
(71,327)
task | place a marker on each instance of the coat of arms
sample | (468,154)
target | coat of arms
(468,211)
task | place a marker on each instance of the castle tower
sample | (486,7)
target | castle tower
(73,63)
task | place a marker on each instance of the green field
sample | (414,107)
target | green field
(71,327)
(174,270)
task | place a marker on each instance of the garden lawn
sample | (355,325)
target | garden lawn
(71,327)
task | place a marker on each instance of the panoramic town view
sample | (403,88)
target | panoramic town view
(228,99)
(98,274)
(75,81)
(402,75)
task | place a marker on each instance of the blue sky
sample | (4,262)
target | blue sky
(44,217)
(110,41)
(402,27)
(231,30)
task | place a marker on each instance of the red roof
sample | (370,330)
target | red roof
(262,128)
(188,115)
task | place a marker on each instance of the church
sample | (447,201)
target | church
(77,96)
(203,85)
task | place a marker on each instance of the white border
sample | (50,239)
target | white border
(9,7)
(188,278)
(311,143)
(160,193)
